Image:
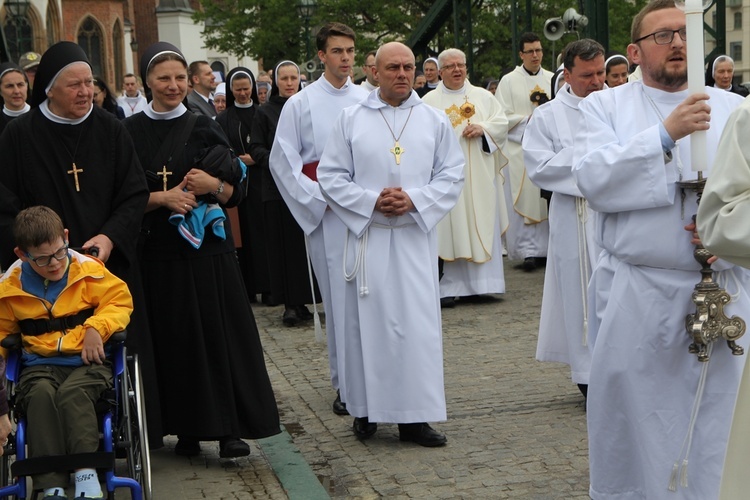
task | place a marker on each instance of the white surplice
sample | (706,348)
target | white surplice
(469,237)
(643,381)
(301,134)
(548,154)
(519,94)
(393,332)
(723,226)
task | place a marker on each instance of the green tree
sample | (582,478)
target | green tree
(273,30)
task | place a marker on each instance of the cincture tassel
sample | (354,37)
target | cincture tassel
(680,469)
(316,316)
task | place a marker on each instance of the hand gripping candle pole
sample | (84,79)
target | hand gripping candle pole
(708,323)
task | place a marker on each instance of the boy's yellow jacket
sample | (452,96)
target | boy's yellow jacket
(89,285)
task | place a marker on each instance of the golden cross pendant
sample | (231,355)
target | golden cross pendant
(75,173)
(397,151)
(164,175)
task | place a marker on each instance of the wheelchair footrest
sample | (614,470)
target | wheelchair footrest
(63,463)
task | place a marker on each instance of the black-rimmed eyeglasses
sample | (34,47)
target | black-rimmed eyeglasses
(45,260)
(665,37)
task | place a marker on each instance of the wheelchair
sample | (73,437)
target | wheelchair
(123,434)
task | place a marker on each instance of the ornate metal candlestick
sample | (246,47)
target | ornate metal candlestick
(709,323)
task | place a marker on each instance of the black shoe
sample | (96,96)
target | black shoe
(448,302)
(303,313)
(290,317)
(233,448)
(529,264)
(584,388)
(339,408)
(363,429)
(422,434)
(268,300)
(187,447)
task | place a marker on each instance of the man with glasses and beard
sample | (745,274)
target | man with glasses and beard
(653,408)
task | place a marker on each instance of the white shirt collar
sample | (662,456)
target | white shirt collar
(164,115)
(10,112)
(44,108)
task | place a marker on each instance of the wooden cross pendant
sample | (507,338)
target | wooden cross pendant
(164,175)
(75,171)
(397,151)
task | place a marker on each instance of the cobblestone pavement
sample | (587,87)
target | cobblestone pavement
(516,427)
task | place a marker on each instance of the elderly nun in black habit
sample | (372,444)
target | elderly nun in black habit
(79,160)
(236,121)
(285,241)
(212,374)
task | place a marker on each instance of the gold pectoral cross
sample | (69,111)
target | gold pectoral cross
(397,151)
(75,171)
(164,175)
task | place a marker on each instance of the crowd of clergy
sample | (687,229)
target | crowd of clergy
(391,199)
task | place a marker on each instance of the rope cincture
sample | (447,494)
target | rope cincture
(316,316)
(583,264)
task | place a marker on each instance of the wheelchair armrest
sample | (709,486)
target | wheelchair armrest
(12,342)
(118,337)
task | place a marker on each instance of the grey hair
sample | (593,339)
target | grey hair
(450,53)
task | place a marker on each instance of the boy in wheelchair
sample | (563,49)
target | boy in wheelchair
(66,306)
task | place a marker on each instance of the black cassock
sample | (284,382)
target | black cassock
(236,123)
(37,155)
(212,373)
(285,240)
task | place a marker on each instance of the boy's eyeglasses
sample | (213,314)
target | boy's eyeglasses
(45,260)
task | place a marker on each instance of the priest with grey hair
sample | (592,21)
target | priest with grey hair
(469,236)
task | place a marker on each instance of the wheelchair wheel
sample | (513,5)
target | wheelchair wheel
(134,426)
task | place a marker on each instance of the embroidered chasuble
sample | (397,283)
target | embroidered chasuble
(467,232)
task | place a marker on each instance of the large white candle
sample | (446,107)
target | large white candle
(696,82)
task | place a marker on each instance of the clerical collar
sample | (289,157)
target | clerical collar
(663,96)
(136,97)
(431,85)
(243,106)
(728,89)
(457,91)
(570,93)
(164,115)
(10,112)
(529,72)
(44,108)
(331,88)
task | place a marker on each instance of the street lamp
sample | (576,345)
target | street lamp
(134,45)
(306,9)
(17,8)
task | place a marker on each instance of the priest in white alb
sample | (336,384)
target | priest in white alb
(723,217)
(548,153)
(658,419)
(469,237)
(392,168)
(519,93)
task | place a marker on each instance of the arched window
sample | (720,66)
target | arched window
(53,26)
(117,41)
(91,40)
(18,34)
(221,68)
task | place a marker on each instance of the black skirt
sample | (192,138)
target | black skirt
(212,375)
